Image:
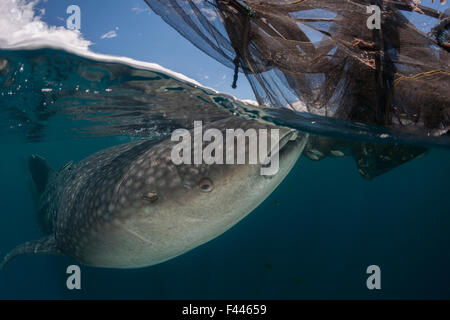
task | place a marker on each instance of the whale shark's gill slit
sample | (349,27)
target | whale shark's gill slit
(44,245)
(134,233)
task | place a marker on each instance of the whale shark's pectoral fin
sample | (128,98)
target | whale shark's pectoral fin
(44,245)
(40,172)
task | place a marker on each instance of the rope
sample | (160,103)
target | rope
(420,75)
(236,72)
(405,78)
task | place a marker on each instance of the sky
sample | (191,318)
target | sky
(129,28)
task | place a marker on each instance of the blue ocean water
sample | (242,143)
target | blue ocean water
(313,237)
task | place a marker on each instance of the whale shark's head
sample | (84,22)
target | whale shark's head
(161,209)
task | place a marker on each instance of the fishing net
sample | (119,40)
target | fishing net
(330,58)
(372,159)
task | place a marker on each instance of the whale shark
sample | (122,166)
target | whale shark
(130,206)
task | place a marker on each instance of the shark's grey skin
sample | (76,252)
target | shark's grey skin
(129,206)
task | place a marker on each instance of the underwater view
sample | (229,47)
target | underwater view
(357,209)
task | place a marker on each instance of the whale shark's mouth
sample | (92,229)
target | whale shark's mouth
(287,142)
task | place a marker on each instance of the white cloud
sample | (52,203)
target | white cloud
(110,34)
(139,10)
(210,14)
(19,24)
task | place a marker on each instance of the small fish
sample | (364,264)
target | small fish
(268,266)
(337,153)
(312,156)
(298,281)
(66,166)
(276,202)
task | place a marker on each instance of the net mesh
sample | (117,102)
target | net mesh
(321,57)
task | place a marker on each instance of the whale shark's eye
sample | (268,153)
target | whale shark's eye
(205,185)
(150,196)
